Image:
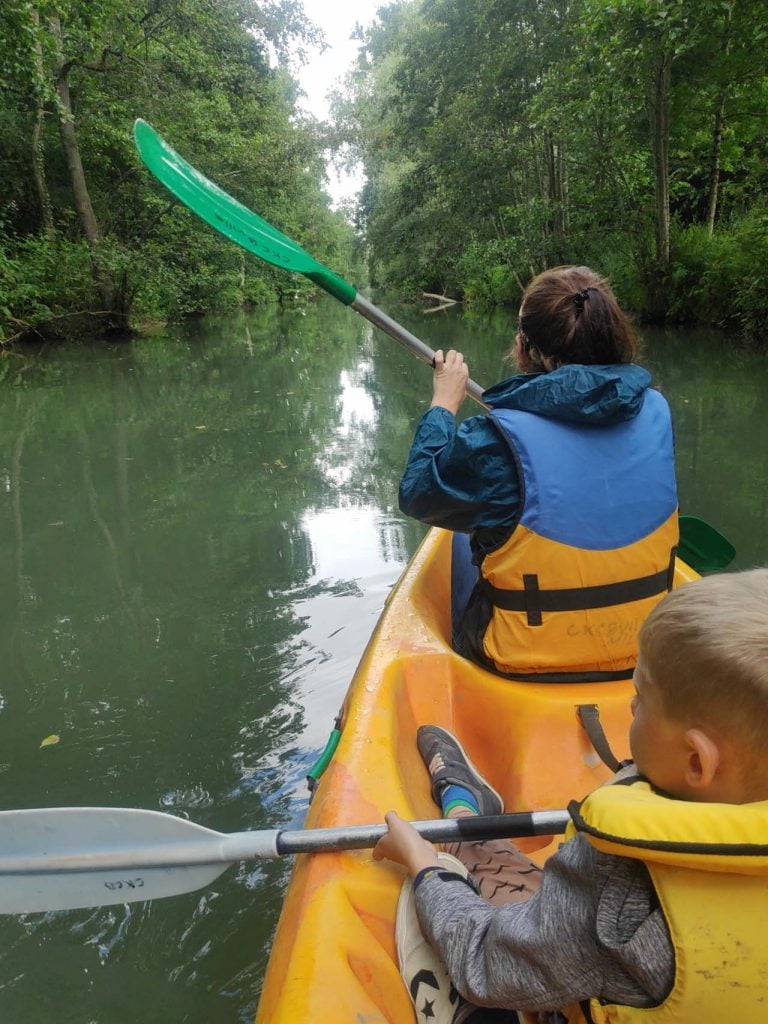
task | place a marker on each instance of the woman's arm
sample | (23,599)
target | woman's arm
(461,479)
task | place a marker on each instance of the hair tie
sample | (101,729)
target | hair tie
(579,298)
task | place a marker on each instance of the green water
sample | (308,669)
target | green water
(199,530)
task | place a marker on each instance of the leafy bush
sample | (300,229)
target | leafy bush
(624,258)
(487,280)
(716,279)
(42,280)
(721,279)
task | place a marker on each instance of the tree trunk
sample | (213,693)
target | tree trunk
(38,152)
(717,132)
(38,175)
(83,205)
(714,173)
(540,178)
(658,116)
(551,158)
(555,192)
(562,174)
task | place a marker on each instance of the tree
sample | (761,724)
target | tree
(203,71)
(500,137)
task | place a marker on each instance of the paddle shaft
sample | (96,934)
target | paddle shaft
(244,227)
(411,342)
(445,830)
(62,858)
(68,857)
(205,846)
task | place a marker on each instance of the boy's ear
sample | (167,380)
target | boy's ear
(703,759)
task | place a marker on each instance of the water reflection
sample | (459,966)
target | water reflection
(195,577)
(357,554)
(201,529)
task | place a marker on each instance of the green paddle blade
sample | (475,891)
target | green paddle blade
(231,218)
(703,547)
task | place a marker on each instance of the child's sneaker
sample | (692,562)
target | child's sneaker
(448,765)
(435,999)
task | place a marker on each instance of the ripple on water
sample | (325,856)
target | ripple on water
(194,796)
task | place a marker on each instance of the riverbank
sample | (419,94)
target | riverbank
(49,292)
(713,280)
(48,296)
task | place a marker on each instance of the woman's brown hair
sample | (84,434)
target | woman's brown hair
(570,315)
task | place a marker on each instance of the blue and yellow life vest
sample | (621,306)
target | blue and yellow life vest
(592,553)
(709,865)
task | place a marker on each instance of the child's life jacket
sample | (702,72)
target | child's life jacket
(709,865)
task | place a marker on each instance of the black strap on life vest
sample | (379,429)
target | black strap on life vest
(586,1009)
(534,601)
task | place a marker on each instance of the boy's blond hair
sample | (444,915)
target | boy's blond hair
(705,646)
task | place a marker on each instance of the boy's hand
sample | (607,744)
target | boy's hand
(404,845)
(449,381)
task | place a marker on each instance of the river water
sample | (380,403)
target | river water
(199,530)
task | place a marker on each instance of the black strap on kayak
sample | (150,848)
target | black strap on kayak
(534,601)
(590,719)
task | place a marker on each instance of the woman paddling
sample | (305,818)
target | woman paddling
(563,497)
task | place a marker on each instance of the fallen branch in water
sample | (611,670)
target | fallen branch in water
(445,301)
(445,305)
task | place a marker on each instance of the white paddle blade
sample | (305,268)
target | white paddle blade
(25,894)
(68,857)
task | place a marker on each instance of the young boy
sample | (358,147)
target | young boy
(654,910)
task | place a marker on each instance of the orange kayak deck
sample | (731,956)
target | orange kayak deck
(334,956)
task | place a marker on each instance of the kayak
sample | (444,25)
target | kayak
(333,956)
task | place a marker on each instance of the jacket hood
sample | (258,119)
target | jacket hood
(575,393)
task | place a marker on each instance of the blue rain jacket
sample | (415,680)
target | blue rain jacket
(464,478)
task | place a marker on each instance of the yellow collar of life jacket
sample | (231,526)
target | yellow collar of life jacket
(708,863)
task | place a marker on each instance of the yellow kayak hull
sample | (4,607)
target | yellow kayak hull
(333,957)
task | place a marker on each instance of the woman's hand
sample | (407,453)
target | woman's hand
(403,844)
(449,381)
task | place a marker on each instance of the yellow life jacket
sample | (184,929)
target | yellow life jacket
(708,863)
(593,551)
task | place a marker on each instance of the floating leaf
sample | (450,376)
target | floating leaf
(50,741)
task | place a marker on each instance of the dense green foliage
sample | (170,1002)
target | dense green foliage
(498,137)
(83,228)
(503,136)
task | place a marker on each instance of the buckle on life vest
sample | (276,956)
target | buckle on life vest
(534,601)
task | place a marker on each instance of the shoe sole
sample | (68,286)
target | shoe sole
(410,942)
(407,923)
(472,766)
